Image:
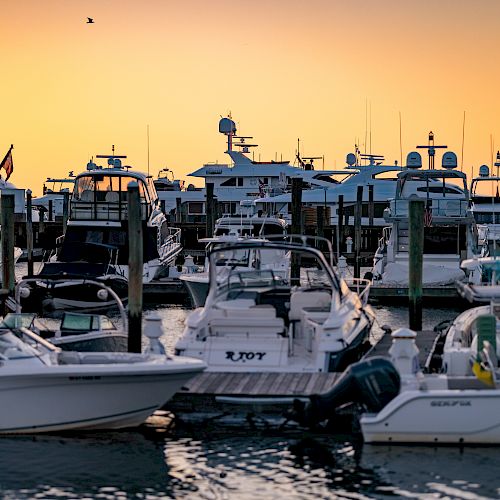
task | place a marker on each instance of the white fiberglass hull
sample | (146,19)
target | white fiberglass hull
(440,416)
(93,396)
(197,285)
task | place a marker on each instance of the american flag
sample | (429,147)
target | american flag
(428,216)
(7,163)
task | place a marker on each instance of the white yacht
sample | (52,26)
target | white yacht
(255,320)
(361,170)
(46,390)
(449,226)
(245,178)
(95,244)
(230,229)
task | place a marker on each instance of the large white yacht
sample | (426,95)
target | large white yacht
(95,244)
(244,178)
(449,226)
(361,170)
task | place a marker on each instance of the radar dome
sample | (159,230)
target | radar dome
(449,160)
(227,126)
(351,159)
(414,160)
(484,171)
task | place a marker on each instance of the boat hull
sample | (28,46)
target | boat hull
(61,398)
(444,416)
(197,287)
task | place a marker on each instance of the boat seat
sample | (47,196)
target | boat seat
(112,197)
(87,195)
(301,299)
(237,304)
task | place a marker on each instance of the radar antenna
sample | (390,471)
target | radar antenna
(431,149)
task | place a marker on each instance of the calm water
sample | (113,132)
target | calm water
(205,461)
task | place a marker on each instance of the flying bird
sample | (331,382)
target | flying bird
(90,20)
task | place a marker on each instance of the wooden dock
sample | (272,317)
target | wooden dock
(165,290)
(381,292)
(270,393)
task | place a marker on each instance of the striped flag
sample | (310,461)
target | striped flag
(428,216)
(7,163)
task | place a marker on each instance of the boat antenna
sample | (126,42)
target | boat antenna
(431,149)
(492,147)
(370,127)
(463,141)
(400,141)
(366,121)
(147,132)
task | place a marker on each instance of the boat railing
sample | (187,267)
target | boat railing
(439,207)
(361,286)
(84,210)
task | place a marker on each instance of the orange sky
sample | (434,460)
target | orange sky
(284,68)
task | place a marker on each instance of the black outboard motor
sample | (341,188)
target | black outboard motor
(371,383)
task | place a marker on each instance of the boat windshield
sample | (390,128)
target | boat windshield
(100,185)
(13,348)
(18,320)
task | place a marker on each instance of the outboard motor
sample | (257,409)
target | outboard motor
(371,383)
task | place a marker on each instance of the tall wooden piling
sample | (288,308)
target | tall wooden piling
(340,225)
(65,212)
(7,221)
(51,211)
(29,231)
(320,221)
(210,209)
(178,210)
(371,205)
(357,231)
(415,264)
(296,226)
(135,268)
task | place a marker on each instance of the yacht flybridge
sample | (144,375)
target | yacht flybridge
(96,241)
(485,207)
(449,225)
(245,178)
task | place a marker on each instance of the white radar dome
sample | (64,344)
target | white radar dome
(227,126)
(414,160)
(449,160)
(484,171)
(351,159)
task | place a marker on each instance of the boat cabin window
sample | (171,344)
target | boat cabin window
(445,239)
(96,188)
(439,189)
(487,218)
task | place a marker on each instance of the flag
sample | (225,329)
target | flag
(428,217)
(7,163)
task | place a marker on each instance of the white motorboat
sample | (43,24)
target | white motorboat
(229,229)
(46,390)
(257,321)
(84,332)
(449,226)
(400,404)
(95,245)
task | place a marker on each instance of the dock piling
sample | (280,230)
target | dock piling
(297,226)
(29,231)
(415,263)
(7,221)
(357,231)
(135,268)
(210,209)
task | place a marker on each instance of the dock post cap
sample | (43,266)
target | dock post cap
(133,185)
(153,326)
(403,333)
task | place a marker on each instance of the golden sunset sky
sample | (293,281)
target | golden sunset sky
(285,69)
